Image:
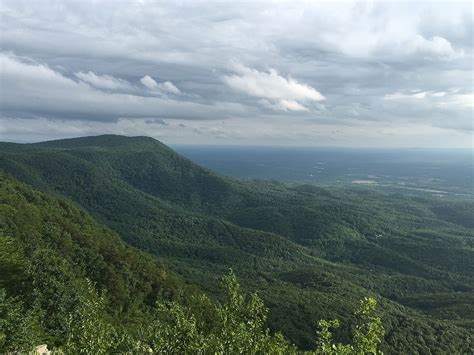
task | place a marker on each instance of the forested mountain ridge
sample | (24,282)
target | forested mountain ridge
(310,252)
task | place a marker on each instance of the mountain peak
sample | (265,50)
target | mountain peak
(103,141)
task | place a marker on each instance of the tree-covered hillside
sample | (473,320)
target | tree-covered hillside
(52,252)
(68,281)
(311,253)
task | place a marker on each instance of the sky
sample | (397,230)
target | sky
(348,74)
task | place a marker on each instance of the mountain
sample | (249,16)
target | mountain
(50,248)
(310,253)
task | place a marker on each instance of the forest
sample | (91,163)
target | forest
(118,244)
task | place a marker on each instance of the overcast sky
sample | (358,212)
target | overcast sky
(373,74)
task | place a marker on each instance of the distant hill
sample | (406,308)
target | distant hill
(311,253)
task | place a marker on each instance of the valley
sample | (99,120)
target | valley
(424,172)
(311,252)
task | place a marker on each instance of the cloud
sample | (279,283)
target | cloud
(450,109)
(166,87)
(149,82)
(466,100)
(285,93)
(81,62)
(103,81)
(158,121)
(37,90)
(283,105)
(440,99)
(434,46)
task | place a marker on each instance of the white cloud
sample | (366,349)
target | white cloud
(444,109)
(168,86)
(352,52)
(283,105)
(149,82)
(439,98)
(461,100)
(103,81)
(35,90)
(420,95)
(435,46)
(165,87)
(412,94)
(285,93)
(270,85)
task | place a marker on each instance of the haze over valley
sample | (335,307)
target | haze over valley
(408,171)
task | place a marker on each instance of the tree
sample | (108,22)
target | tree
(235,326)
(19,329)
(238,325)
(367,334)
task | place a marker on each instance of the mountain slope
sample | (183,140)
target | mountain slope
(49,248)
(310,252)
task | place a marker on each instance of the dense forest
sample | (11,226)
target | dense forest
(69,281)
(119,243)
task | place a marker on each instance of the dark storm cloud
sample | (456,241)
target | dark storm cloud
(254,65)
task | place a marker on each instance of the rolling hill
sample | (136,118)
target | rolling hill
(310,253)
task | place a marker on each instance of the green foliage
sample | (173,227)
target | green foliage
(310,252)
(13,263)
(367,334)
(237,326)
(19,328)
(87,330)
(49,250)
(325,342)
